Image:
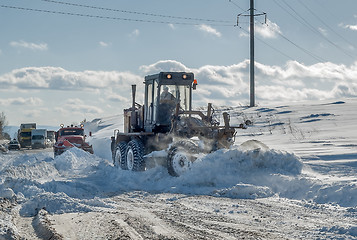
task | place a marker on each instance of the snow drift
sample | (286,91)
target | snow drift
(79,182)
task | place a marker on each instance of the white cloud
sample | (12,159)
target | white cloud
(83,108)
(135,33)
(172,26)
(32,101)
(104,44)
(351,27)
(163,66)
(77,106)
(229,85)
(35,113)
(74,101)
(244,34)
(56,78)
(268,30)
(210,30)
(87,94)
(117,98)
(323,31)
(28,45)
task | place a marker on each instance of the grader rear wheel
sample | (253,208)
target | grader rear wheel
(119,155)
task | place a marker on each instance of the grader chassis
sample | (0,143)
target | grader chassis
(168,123)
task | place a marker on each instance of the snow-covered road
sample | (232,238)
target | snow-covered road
(303,187)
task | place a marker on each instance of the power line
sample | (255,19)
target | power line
(326,25)
(304,22)
(269,45)
(296,45)
(272,47)
(135,12)
(284,37)
(110,18)
(231,1)
(287,39)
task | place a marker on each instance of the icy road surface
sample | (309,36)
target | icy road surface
(303,187)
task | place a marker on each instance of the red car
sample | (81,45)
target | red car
(68,137)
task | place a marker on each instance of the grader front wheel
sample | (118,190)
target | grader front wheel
(180,158)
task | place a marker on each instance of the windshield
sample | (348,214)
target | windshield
(25,134)
(37,137)
(28,125)
(170,96)
(65,132)
(176,94)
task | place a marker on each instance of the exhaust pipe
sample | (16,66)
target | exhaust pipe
(209,112)
(133,93)
(133,120)
(226,121)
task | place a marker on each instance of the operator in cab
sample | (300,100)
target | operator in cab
(167,106)
(166,95)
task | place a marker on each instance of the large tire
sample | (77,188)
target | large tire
(180,157)
(119,155)
(134,156)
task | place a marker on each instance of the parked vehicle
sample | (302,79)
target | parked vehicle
(39,138)
(24,134)
(13,145)
(51,139)
(69,137)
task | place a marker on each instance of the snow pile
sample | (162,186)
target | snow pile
(102,130)
(53,203)
(242,174)
(345,194)
(60,203)
(245,191)
(77,181)
(351,230)
(75,161)
(7,227)
(233,173)
(7,193)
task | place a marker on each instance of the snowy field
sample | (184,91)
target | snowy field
(304,186)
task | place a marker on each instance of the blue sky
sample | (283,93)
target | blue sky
(62,67)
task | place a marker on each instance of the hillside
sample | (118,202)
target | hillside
(304,186)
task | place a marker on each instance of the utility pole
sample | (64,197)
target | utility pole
(252,85)
(251,15)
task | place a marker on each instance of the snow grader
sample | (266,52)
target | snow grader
(166,123)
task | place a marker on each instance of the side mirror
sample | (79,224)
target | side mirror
(194,84)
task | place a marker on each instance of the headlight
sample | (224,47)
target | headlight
(168,76)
